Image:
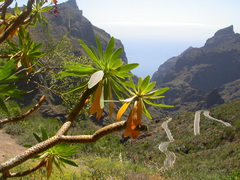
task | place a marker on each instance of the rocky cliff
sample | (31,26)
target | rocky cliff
(202,77)
(71,22)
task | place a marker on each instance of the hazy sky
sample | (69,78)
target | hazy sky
(154,30)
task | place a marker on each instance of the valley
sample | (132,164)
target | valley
(190,132)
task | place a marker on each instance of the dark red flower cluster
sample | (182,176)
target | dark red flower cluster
(55,10)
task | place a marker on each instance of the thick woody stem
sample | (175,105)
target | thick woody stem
(74,113)
(41,147)
(29,153)
(97,135)
(23,116)
(24,173)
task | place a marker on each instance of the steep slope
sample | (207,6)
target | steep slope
(198,74)
(71,22)
(213,154)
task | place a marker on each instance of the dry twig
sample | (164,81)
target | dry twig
(23,116)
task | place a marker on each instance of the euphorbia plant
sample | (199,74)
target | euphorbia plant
(109,73)
(140,95)
(106,72)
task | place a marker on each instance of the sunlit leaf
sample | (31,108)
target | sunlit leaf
(95,78)
(122,110)
(145,83)
(37,137)
(4,107)
(114,57)
(44,134)
(71,74)
(154,97)
(116,63)
(158,92)
(111,104)
(80,68)
(44,9)
(49,167)
(7,70)
(149,87)
(17,11)
(128,67)
(57,164)
(99,47)
(124,75)
(77,89)
(95,106)
(102,98)
(90,53)
(109,49)
(145,111)
(139,84)
(159,105)
(69,162)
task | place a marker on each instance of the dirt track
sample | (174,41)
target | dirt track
(8,146)
(206,114)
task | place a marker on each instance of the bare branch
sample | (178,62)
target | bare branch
(72,116)
(6,56)
(97,135)
(24,173)
(18,22)
(47,88)
(29,153)
(41,147)
(23,116)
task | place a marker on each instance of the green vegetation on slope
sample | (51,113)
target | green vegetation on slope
(214,154)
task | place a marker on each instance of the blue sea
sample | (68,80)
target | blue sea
(150,54)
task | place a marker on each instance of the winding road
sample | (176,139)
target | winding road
(163,147)
(197,123)
(206,114)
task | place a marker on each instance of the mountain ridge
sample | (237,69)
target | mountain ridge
(197,72)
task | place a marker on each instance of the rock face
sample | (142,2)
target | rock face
(198,74)
(71,22)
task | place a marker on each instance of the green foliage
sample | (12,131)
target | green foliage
(139,95)
(144,91)
(7,88)
(38,9)
(57,155)
(234,175)
(105,168)
(58,54)
(26,51)
(101,147)
(13,109)
(106,67)
(93,167)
